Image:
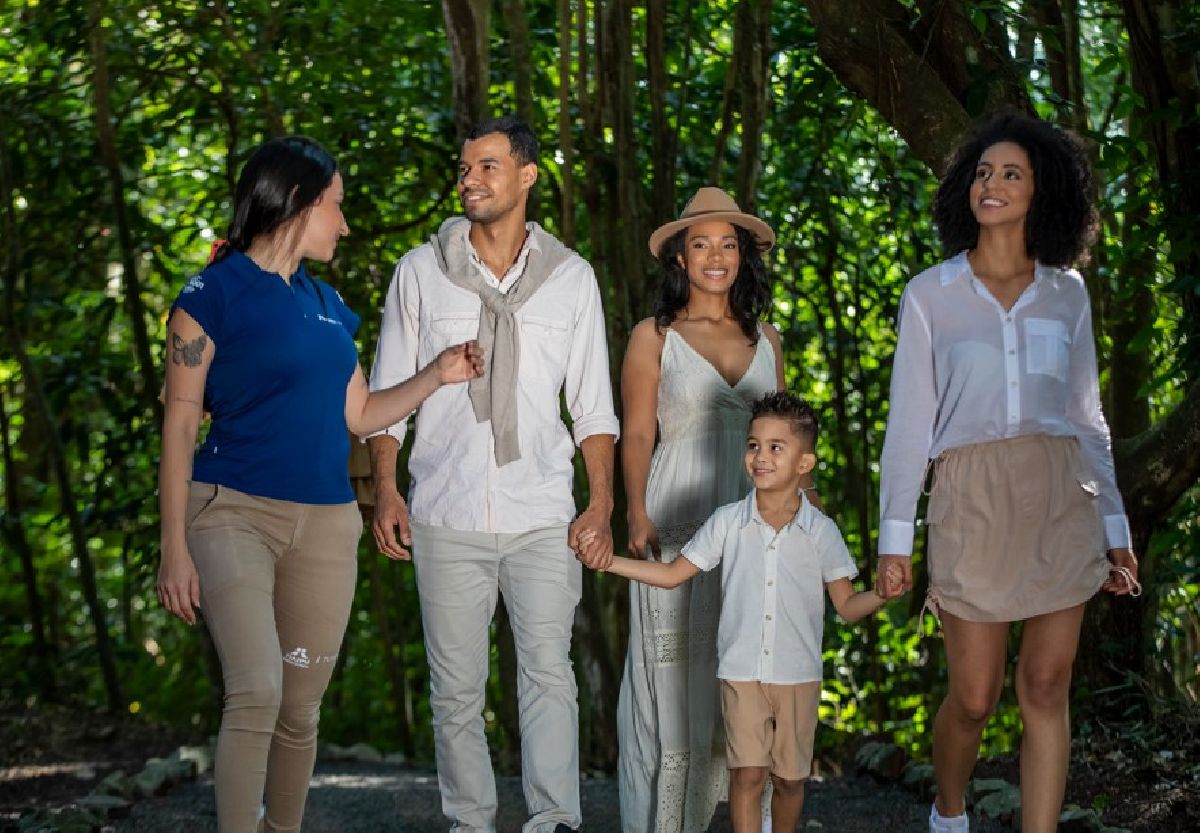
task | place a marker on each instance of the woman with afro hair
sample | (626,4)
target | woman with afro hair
(995,401)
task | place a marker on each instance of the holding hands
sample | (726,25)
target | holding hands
(893,576)
(590,536)
(1122,576)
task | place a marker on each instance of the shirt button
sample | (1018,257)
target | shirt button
(768,617)
(766,650)
(1012,384)
(1008,319)
(770,582)
(770,546)
(1012,352)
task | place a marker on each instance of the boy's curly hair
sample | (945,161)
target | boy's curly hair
(1062,220)
(794,409)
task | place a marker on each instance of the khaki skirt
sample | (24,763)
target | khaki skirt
(1014,531)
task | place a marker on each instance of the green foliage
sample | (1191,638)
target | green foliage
(195,86)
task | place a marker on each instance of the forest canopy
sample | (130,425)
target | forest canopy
(122,129)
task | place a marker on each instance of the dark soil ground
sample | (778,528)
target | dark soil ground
(1143,777)
(51,755)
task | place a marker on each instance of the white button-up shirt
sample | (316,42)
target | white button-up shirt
(456,483)
(966,371)
(772,589)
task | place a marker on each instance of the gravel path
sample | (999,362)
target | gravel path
(374,798)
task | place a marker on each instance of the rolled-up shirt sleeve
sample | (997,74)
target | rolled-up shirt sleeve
(587,386)
(911,417)
(399,336)
(1095,441)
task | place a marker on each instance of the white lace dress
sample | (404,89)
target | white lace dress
(672,746)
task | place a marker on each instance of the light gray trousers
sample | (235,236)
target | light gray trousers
(458,576)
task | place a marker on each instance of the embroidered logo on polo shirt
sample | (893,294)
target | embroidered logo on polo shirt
(193,284)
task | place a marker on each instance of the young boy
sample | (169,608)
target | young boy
(776,551)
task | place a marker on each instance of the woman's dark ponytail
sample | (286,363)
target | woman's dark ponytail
(279,181)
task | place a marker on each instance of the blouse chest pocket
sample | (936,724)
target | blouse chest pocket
(1047,347)
(546,341)
(449,329)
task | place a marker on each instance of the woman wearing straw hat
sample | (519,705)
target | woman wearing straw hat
(691,372)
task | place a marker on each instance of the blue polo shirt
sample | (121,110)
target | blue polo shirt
(276,388)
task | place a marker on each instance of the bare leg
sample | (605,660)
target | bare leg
(1048,645)
(745,798)
(786,804)
(975,662)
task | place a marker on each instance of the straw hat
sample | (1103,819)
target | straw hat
(713,204)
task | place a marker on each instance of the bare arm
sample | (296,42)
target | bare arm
(852,606)
(389,523)
(368,412)
(639,395)
(591,533)
(654,573)
(189,355)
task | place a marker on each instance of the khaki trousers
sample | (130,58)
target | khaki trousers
(276,584)
(458,577)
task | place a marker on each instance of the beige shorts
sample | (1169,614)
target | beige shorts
(771,726)
(1014,531)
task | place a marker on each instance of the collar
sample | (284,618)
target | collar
(243,264)
(959,268)
(531,244)
(748,512)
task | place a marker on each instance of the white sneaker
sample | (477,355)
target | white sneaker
(954,824)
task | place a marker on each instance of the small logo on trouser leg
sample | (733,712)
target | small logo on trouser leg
(297,657)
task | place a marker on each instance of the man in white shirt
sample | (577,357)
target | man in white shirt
(492,469)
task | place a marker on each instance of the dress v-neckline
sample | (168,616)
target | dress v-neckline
(745,372)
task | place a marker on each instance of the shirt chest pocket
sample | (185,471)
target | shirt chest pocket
(547,343)
(452,328)
(1047,347)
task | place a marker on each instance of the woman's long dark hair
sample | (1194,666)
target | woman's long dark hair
(1061,221)
(280,181)
(749,297)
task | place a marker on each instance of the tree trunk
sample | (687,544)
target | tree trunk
(662,155)
(468,27)
(107,141)
(751,65)
(885,54)
(516,21)
(35,394)
(566,141)
(1165,74)
(1061,19)
(14,536)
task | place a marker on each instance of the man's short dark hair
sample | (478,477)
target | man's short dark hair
(521,138)
(799,413)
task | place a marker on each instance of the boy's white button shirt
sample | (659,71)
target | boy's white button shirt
(456,483)
(967,371)
(772,589)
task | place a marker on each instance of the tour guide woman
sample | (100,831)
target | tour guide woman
(261,533)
